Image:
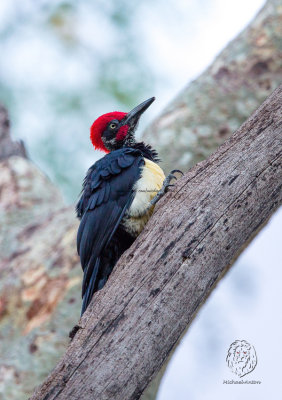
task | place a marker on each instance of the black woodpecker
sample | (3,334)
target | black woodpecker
(118,196)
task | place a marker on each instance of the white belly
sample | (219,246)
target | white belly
(146,188)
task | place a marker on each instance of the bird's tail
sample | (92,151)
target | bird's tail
(90,288)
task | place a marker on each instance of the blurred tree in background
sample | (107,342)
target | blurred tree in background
(65,62)
(72,60)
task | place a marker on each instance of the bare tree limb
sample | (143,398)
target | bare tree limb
(206,112)
(197,230)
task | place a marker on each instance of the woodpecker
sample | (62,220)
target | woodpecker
(118,196)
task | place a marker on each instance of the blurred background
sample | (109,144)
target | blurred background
(63,63)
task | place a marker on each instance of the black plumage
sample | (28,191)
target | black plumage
(108,191)
(117,198)
(147,151)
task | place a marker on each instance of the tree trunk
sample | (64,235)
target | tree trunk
(213,106)
(158,285)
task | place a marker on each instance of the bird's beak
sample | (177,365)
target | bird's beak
(133,116)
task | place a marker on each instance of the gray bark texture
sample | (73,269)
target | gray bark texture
(158,285)
(209,109)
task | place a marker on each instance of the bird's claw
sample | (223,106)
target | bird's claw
(170,177)
(177,170)
(166,185)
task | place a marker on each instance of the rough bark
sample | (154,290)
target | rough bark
(158,285)
(209,109)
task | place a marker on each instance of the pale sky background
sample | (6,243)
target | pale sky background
(246,305)
(176,40)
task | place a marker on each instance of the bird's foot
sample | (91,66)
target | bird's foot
(166,185)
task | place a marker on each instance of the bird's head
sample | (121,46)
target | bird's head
(116,129)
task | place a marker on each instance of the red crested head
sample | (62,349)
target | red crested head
(99,126)
(116,129)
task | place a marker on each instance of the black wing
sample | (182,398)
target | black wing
(107,194)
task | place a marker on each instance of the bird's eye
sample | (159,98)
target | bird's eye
(113,125)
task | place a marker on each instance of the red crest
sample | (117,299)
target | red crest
(100,124)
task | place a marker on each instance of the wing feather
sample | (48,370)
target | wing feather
(107,194)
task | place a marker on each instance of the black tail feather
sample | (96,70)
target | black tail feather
(90,288)
(99,268)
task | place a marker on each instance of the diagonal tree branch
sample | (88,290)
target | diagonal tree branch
(160,282)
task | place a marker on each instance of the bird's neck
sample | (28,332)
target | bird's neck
(145,149)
